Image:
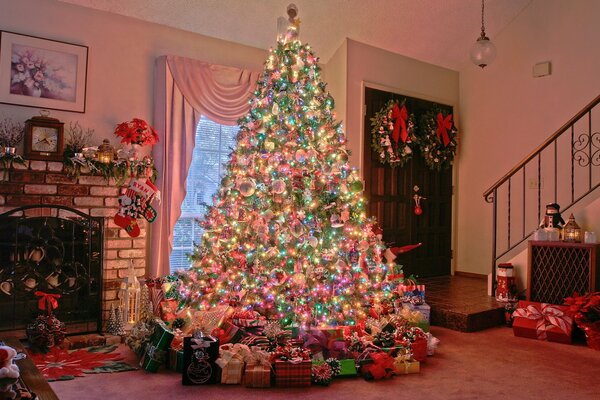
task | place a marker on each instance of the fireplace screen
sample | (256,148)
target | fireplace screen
(53,249)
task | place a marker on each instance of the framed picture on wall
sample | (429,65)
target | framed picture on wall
(42,73)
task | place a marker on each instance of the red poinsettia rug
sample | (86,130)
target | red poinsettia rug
(59,364)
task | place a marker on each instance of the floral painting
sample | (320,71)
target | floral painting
(42,73)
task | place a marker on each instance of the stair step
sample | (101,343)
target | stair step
(462,304)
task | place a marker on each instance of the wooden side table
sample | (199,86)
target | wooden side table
(557,269)
(30,375)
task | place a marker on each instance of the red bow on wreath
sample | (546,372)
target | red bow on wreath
(443,124)
(47,301)
(400,115)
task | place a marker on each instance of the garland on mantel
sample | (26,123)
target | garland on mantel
(120,169)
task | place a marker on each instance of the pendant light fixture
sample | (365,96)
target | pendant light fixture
(483,51)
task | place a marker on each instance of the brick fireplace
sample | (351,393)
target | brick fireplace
(46,183)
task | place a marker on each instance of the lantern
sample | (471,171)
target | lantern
(106,153)
(129,296)
(572,231)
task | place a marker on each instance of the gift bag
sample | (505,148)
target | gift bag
(199,357)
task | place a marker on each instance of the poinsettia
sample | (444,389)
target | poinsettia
(587,306)
(136,131)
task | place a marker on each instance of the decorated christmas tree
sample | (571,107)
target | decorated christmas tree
(287,233)
(114,325)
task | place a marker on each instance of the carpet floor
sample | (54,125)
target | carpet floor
(491,364)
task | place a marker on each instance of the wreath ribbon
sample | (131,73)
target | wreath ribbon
(47,301)
(443,124)
(400,115)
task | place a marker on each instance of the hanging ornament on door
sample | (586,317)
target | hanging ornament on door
(418,210)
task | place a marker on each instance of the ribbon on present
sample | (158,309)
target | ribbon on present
(381,367)
(443,124)
(200,343)
(47,301)
(547,316)
(399,115)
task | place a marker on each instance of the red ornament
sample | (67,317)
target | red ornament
(418,210)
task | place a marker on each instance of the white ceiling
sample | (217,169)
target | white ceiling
(440,32)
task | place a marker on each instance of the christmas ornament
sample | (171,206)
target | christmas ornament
(247,187)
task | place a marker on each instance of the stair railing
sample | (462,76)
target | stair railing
(576,145)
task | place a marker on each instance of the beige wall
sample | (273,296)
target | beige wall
(505,113)
(335,74)
(122,51)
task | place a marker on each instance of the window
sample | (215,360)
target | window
(214,143)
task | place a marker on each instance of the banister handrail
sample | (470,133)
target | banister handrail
(540,148)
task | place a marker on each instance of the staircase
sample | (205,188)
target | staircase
(562,170)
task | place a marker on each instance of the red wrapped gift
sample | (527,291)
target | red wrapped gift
(168,310)
(419,349)
(289,373)
(543,321)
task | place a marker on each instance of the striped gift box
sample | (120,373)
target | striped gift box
(289,374)
(257,376)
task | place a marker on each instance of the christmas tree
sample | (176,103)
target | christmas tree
(114,325)
(287,233)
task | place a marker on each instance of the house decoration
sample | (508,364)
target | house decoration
(392,133)
(288,234)
(438,139)
(572,231)
(129,296)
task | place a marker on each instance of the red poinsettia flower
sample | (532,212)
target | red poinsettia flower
(136,131)
(586,306)
(60,364)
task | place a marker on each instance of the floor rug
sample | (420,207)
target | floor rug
(61,365)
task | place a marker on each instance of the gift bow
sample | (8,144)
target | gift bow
(443,124)
(258,357)
(47,301)
(547,316)
(228,352)
(200,343)
(400,115)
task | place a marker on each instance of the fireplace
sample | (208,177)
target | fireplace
(53,249)
(41,184)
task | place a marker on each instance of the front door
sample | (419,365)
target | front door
(390,192)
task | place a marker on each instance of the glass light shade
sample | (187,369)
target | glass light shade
(106,152)
(572,231)
(483,52)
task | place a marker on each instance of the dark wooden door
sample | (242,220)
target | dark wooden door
(390,194)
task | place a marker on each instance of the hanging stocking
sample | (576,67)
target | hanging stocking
(135,203)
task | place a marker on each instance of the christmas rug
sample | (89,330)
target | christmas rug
(61,365)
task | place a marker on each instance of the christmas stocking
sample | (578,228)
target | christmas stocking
(135,203)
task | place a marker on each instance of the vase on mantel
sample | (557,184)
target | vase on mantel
(134,153)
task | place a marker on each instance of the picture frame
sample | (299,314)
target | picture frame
(42,73)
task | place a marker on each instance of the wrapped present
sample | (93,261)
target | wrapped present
(199,356)
(231,361)
(293,373)
(419,349)
(424,309)
(208,320)
(543,321)
(156,352)
(411,293)
(258,369)
(404,365)
(415,318)
(292,366)
(260,342)
(347,368)
(330,342)
(228,333)
(168,310)
(175,360)
(432,344)
(381,366)
(248,318)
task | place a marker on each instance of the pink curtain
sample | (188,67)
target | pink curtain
(185,90)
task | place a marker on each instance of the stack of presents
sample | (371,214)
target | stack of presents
(229,345)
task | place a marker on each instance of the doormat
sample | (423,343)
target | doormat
(62,365)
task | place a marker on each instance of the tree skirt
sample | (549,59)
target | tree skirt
(59,364)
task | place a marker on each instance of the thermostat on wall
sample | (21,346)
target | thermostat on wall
(542,69)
